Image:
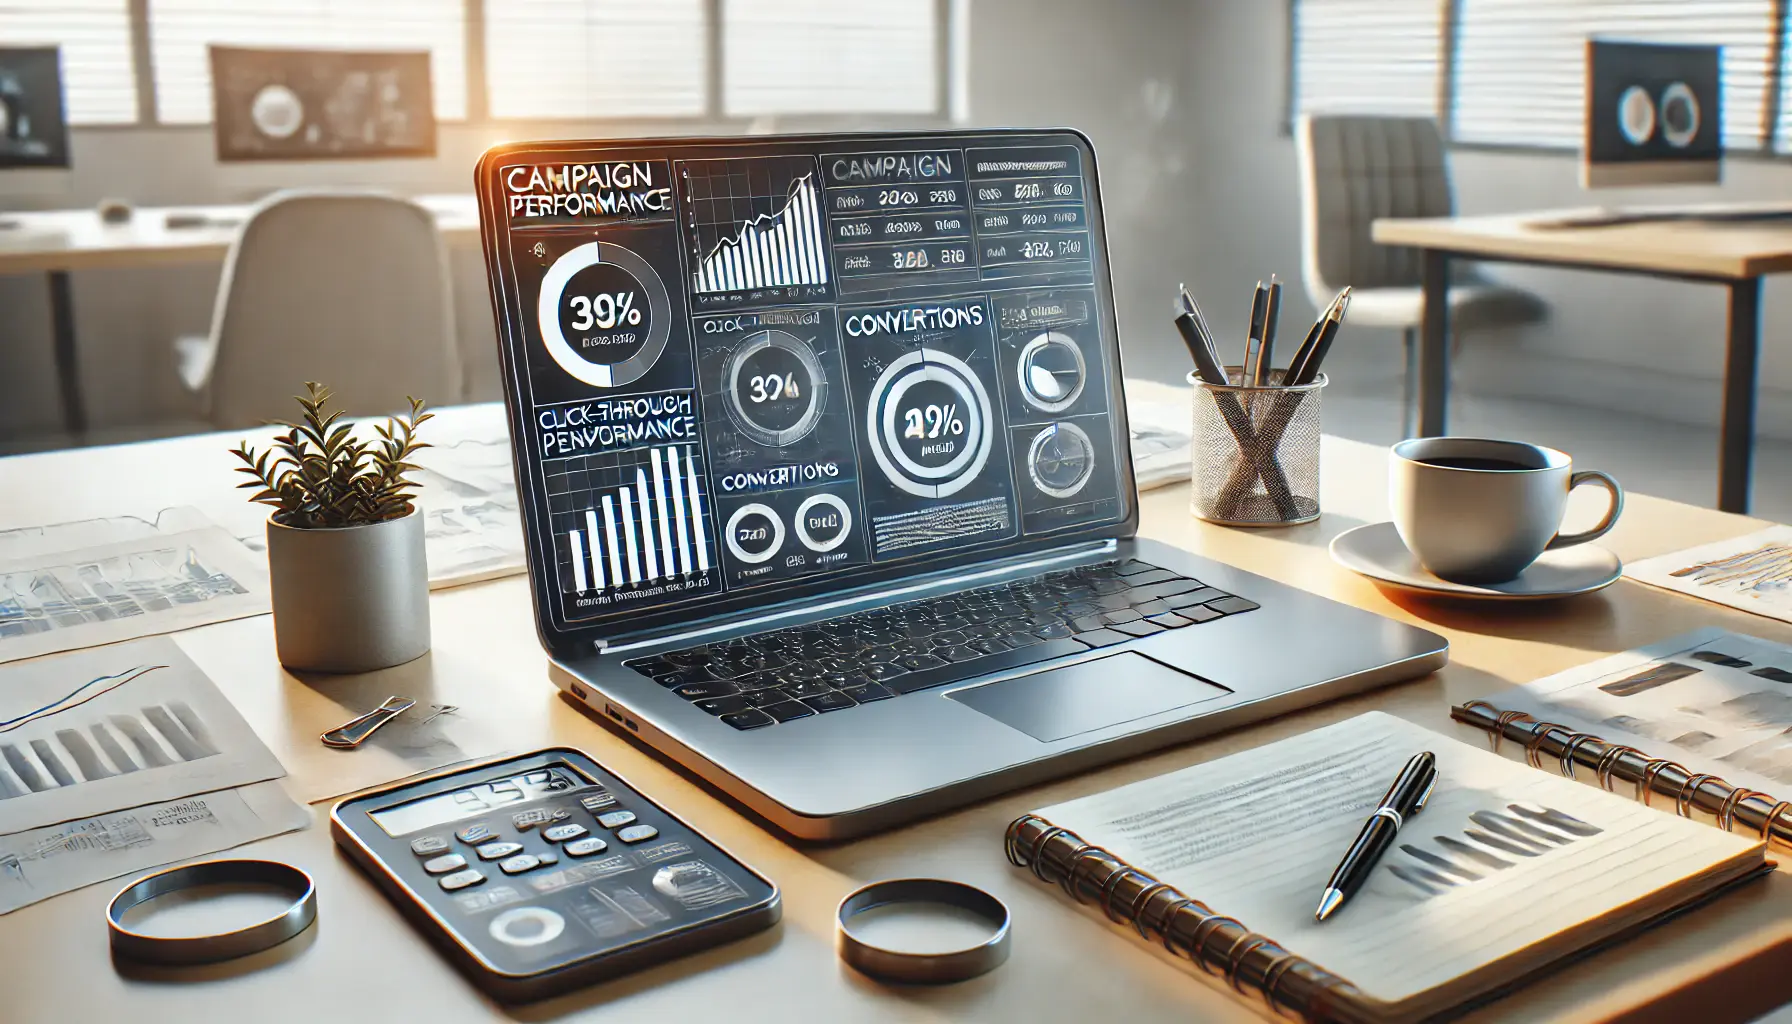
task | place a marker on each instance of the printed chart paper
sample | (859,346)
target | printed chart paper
(114,727)
(100,594)
(43,862)
(1715,701)
(1752,573)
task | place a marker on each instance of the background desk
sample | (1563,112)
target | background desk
(1735,255)
(55,242)
(1727,962)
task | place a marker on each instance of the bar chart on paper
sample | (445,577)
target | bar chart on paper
(640,521)
(755,225)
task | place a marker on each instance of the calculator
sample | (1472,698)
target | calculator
(545,872)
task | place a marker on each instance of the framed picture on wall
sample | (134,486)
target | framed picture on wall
(1654,114)
(321,104)
(33,125)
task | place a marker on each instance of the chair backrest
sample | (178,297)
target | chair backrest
(1355,168)
(345,287)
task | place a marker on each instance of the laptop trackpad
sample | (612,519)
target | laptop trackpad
(1061,702)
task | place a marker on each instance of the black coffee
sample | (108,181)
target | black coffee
(1476,462)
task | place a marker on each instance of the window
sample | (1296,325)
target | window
(1782,134)
(1520,65)
(830,56)
(98,81)
(1367,56)
(596,58)
(180,31)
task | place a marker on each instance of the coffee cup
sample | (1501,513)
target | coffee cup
(1475,510)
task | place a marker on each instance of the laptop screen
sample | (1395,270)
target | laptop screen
(741,371)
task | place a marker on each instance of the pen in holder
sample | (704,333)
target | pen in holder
(1255,451)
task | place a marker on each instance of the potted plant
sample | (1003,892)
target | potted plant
(345,543)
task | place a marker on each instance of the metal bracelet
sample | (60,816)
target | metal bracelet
(923,968)
(200,949)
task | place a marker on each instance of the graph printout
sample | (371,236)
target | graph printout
(1753,573)
(1711,700)
(155,583)
(741,367)
(115,727)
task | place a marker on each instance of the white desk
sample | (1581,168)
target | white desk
(56,242)
(1730,961)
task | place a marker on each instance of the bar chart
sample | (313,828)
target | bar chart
(647,526)
(754,225)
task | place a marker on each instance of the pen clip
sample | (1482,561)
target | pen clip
(1425,797)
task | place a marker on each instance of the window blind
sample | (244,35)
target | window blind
(98,81)
(596,58)
(1782,136)
(830,56)
(181,30)
(1367,56)
(1520,70)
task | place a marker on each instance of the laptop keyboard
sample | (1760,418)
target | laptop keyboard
(799,671)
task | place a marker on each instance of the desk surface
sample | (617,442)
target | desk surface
(1690,248)
(79,240)
(363,962)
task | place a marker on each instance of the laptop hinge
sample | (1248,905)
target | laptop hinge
(985,571)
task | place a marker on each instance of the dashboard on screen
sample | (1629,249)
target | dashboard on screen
(739,369)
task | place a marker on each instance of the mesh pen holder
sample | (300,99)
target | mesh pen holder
(1255,451)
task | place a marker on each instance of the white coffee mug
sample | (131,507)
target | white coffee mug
(1476,510)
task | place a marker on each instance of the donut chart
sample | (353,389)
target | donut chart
(1052,372)
(928,422)
(604,314)
(775,388)
(1061,460)
(754,533)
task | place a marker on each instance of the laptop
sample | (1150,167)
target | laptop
(822,450)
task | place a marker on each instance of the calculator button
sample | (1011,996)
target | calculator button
(597,802)
(616,819)
(475,834)
(523,821)
(561,833)
(429,846)
(461,879)
(498,851)
(445,863)
(527,926)
(520,863)
(585,847)
(547,857)
(637,833)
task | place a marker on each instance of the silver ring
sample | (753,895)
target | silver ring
(923,968)
(1390,814)
(201,949)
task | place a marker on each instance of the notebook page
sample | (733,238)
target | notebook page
(1712,700)
(1504,856)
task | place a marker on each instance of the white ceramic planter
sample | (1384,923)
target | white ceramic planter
(350,599)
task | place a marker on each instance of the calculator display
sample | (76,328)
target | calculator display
(405,818)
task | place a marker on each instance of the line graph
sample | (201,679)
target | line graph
(754,224)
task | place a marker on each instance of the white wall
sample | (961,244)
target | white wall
(1616,342)
(1113,69)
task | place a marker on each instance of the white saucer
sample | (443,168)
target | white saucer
(1377,552)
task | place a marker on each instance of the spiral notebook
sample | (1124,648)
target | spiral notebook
(1507,872)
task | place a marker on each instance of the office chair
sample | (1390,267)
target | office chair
(345,287)
(1356,168)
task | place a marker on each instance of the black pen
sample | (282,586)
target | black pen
(1199,338)
(1405,798)
(1272,312)
(1328,326)
(1207,364)
(1253,342)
